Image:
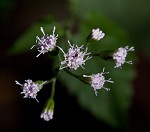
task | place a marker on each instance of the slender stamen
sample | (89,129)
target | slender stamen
(42,31)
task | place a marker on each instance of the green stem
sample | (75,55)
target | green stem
(53,81)
(49,81)
(106,55)
(76,76)
(53,88)
(60,60)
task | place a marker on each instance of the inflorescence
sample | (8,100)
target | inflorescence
(75,57)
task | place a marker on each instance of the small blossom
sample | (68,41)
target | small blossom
(46,43)
(74,58)
(30,89)
(120,56)
(97,81)
(97,34)
(47,113)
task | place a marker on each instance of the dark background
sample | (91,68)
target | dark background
(18,114)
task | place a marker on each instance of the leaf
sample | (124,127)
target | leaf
(112,106)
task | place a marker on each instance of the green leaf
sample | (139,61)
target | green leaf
(109,106)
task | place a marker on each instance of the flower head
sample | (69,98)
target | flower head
(46,43)
(120,55)
(97,34)
(30,88)
(97,81)
(74,58)
(47,113)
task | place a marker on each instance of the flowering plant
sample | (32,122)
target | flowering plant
(74,58)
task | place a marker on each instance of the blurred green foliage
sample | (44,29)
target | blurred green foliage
(132,15)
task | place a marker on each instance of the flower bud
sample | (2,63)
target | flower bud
(48,111)
(95,35)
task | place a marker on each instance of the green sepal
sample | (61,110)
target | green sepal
(106,55)
(49,105)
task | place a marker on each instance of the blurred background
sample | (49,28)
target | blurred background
(126,21)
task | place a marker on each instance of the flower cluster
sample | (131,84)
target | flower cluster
(47,115)
(97,34)
(75,57)
(97,81)
(30,88)
(47,43)
(120,55)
